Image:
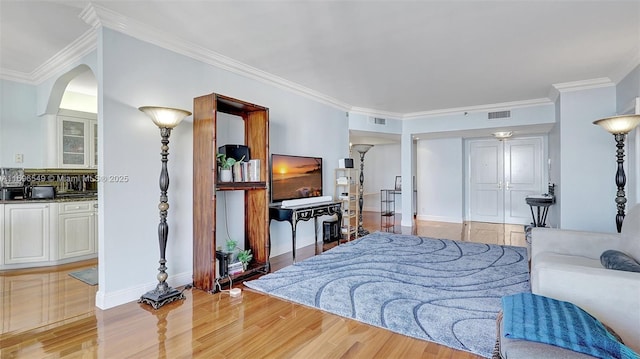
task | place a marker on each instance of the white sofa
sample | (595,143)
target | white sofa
(565,265)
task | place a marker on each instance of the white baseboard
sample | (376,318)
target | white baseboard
(122,296)
(423,217)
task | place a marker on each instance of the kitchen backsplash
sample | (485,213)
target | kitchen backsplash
(63,179)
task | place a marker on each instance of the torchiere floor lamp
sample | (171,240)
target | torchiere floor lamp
(362,149)
(166,119)
(619,126)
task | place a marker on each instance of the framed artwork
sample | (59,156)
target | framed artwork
(398,186)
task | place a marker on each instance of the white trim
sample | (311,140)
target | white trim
(96,15)
(622,72)
(79,48)
(16,76)
(481,108)
(583,84)
(131,294)
(633,107)
(376,113)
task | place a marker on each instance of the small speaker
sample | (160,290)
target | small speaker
(236,152)
(330,231)
(345,163)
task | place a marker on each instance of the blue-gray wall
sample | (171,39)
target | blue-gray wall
(587,160)
(21,130)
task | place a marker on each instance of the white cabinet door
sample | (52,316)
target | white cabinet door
(26,233)
(76,235)
(93,147)
(77,140)
(76,229)
(73,151)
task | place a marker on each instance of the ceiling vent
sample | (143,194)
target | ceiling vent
(378,120)
(499,114)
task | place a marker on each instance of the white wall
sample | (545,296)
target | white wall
(440,177)
(381,166)
(449,193)
(132,74)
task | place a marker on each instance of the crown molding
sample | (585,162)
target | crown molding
(96,16)
(482,108)
(623,71)
(376,113)
(73,52)
(557,89)
(583,84)
(16,76)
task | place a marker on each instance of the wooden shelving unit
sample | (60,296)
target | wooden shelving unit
(347,187)
(205,185)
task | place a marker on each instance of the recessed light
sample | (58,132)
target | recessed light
(501,135)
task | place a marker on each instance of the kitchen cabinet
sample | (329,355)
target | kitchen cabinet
(27,236)
(76,229)
(77,140)
(36,234)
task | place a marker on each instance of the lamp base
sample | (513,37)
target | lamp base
(157,299)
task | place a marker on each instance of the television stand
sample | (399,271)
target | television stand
(305,212)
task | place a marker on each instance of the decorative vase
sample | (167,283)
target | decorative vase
(225,175)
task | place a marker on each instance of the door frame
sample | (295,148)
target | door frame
(467,167)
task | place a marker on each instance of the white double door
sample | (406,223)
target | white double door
(501,174)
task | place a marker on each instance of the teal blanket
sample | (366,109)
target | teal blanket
(536,318)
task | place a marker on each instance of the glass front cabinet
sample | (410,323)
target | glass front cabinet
(77,141)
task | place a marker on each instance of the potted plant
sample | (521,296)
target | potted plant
(231,245)
(226,164)
(245,256)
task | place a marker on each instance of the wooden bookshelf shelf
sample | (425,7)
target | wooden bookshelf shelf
(205,185)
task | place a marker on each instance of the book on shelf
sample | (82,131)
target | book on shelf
(235,268)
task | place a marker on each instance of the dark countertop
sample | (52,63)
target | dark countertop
(49,200)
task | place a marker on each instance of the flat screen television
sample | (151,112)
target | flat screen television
(294,177)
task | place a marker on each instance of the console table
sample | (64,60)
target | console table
(305,212)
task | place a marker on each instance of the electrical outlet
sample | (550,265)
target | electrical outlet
(19,158)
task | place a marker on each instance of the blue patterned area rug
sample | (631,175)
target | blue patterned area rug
(438,290)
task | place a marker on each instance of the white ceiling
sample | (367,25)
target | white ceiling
(395,57)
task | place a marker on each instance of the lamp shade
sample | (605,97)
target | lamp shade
(361,148)
(619,124)
(166,117)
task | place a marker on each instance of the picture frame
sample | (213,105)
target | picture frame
(398,186)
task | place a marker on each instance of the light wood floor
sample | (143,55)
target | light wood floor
(48,314)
